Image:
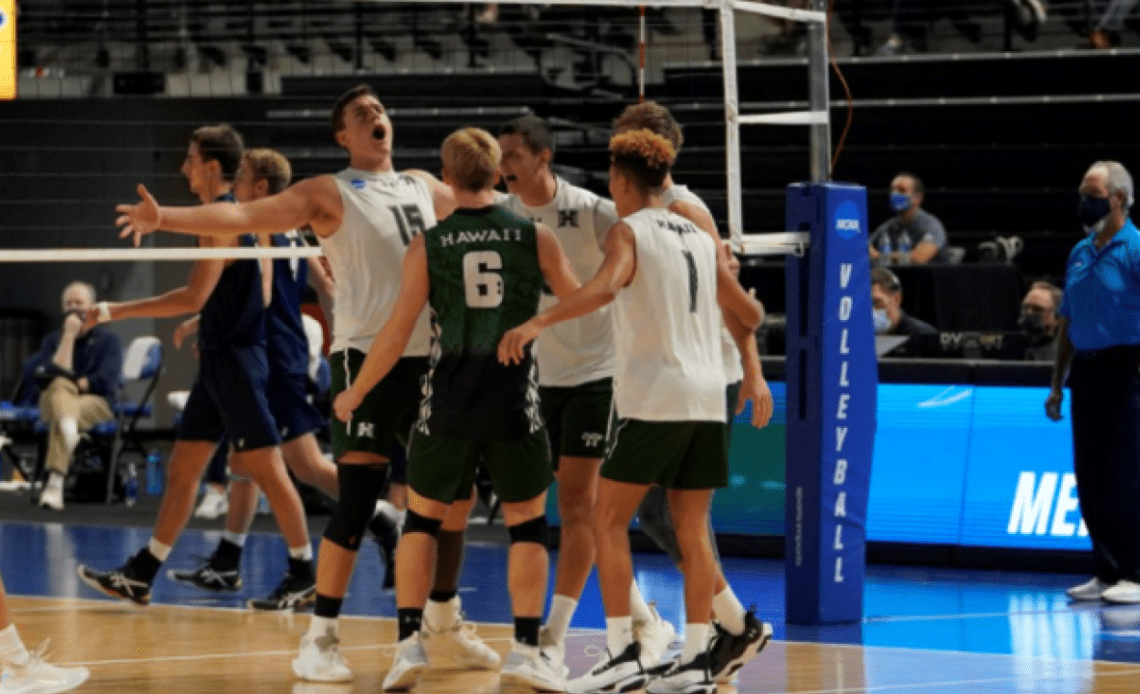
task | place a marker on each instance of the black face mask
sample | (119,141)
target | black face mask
(1032,324)
(1092,210)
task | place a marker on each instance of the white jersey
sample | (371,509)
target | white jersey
(733,369)
(580,350)
(667,325)
(382,213)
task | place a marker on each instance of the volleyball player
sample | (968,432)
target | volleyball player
(364,218)
(482,270)
(665,279)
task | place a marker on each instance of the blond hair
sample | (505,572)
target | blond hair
(269,165)
(471,157)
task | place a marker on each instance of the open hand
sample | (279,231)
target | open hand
(346,403)
(760,394)
(512,348)
(140,219)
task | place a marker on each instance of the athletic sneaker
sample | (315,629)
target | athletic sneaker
(122,582)
(620,673)
(730,652)
(554,652)
(410,660)
(458,643)
(1092,590)
(1123,593)
(655,636)
(688,678)
(529,666)
(207,577)
(38,676)
(294,593)
(320,659)
(215,503)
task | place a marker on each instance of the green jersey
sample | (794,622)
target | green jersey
(484,279)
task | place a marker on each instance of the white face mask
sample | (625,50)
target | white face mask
(881,321)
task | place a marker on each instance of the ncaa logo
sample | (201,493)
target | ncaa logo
(3,19)
(358,184)
(847,220)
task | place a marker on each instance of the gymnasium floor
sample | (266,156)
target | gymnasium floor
(929,631)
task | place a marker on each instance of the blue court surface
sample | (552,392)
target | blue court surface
(982,612)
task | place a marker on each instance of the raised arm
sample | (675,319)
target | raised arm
(393,338)
(555,265)
(616,272)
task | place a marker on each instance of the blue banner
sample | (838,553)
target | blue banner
(832,381)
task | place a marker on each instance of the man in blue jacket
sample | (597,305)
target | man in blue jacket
(74,378)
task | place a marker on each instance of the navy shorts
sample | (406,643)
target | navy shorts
(289,404)
(229,398)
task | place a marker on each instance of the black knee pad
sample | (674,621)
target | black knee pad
(535,530)
(415,523)
(359,486)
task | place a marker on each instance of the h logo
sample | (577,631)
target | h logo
(365,430)
(567,218)
(591,439)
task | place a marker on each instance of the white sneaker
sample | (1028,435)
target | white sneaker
(320,660)
(1123,593)
(528,666)
(410,660)
(1092,590)
(554,652)
(458,643)
(688,678)
(655,637)
(214,503)
(52,497)
(620,673)
(38,676)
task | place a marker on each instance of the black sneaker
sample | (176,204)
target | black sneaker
(294,593)
(730,652)
(692,677)
(122,583)
(620,673)
(207,577)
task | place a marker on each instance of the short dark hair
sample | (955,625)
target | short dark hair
(653,117)
(220,143)
(918,187)
(886,279)
(337,117)
(270,166)
(533,130)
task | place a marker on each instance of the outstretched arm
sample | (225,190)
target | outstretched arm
(393,338)
(616,272)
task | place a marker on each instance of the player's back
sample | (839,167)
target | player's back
(234,314)
(484,279)
(285,335)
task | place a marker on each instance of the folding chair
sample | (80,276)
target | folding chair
(143,362)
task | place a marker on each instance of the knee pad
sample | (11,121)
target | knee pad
(415,523)
(535,530)
(359,487)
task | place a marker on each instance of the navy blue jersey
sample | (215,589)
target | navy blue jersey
(234,315)
(288,346)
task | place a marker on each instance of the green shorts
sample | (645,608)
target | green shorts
(444,469)
(388,411)
(577,418)
(675,455)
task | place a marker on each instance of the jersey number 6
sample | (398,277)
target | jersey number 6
(483,286)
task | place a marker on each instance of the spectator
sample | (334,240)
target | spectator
(1039,320)
(911,19)
(1098,344)
(913,235)
(889,318)
(1106,34)
(75,376)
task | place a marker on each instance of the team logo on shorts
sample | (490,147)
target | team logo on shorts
(365,430)
(358,183)
(591,439)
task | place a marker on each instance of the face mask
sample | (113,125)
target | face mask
(881,321)
(1032,324)
(1093,213)
(900,202)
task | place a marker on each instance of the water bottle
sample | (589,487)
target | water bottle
(904,248)
(154,473)
(131,486)
(884,247)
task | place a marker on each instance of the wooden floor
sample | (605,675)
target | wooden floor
(165,648)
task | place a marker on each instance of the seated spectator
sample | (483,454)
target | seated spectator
(1106,33)
(1039,320)
(74,376)
(889,318)
(913,235)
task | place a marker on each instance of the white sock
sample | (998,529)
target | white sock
(320,626)
(729,612)
(55,482)
(441,615)
(561,612)
(159,550)
(11,647)
(637,607)
(69,428)
(696,641)
(304,552)
(619,634)
(234,538)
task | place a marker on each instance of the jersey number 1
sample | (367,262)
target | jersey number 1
(482,285)
(692,280)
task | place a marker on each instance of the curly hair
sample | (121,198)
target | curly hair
(644,156)
(653,117)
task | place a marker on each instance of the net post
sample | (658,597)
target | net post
(731,121)
(819,96)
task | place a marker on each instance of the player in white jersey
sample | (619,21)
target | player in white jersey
(575,372)
(740,634)
(363,217)
(668,285)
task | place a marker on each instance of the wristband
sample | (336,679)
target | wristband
(103,311)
